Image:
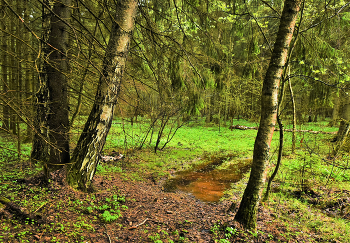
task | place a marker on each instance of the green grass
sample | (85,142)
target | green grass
(307,169)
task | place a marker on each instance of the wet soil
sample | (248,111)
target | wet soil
(207,182)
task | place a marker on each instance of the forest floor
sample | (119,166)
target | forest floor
(140,211)
(131,202)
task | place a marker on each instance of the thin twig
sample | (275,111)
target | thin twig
(134,227)
(109,238)
(40,207)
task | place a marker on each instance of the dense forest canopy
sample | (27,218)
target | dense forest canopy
(187,58)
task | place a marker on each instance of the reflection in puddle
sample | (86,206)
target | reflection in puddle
(208,181)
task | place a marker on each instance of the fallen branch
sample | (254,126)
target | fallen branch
(13,208)
(239,127)
(134,227)
(40,207)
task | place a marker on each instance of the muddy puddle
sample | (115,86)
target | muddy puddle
(209,180)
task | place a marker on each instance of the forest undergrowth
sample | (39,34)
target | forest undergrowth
(309,201)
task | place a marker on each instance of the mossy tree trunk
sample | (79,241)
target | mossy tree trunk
(87,153)
(247,212)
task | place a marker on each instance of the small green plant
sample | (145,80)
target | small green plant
(155,238)
(89,209)
(230,232)
(224,241)
(107,217)
(254,234)
(215,230)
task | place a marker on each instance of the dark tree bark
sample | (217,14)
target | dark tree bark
(87,153)
(51,143)
(247,212)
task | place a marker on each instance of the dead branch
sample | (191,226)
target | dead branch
(239,127)
(19,211)
(134,227)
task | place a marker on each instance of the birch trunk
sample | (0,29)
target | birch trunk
(247,212)
(87,153)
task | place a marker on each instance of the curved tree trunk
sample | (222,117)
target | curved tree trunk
(247,212)
(87,153)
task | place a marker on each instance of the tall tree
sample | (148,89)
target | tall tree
(247,212)
(51,143)
(87,153)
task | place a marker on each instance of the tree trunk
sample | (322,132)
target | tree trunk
(87,153)
(247,212)
(13,77)
(28,81)
(51,144)
(344,116)
(4,68)
(294,115)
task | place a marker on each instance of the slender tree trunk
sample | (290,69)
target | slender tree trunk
(247,212)
(28,86)
(13,76)
(294,115)
(4,69)
(281,140)
(87,153)
(51,144)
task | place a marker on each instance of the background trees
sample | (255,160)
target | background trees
(206,59)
